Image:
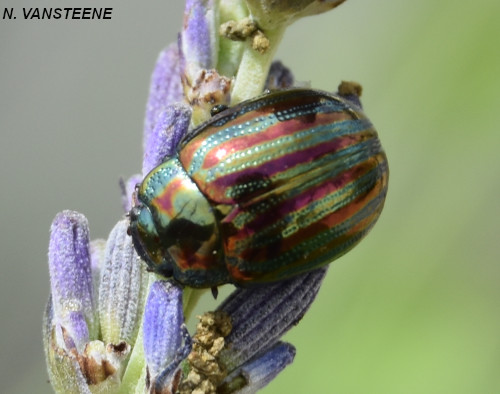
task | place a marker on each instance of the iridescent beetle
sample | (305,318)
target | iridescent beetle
(265,190)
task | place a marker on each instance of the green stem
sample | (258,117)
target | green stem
(230,51)
(254,67)
(190,299)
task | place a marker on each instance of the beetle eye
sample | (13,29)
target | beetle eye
(134,213)
(217,109)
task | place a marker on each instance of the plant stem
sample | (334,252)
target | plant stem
(254,68)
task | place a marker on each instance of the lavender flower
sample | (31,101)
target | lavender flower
(77,356)
(93,340)
(110,326)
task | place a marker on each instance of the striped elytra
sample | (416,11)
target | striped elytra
(268,189)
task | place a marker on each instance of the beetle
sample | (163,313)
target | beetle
(265,190)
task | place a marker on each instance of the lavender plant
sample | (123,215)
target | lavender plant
(110,326)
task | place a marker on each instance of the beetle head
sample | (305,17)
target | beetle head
(173,226)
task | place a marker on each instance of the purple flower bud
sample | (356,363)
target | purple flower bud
(163,333)
(199,35)
(165,88)
(171,126)
(203,85)
(237,348)
(280,306)
(163,318)
(259,372)
(76,357)
(71,277)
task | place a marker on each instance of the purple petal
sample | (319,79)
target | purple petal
(198,35)
(261,315)
(79,328)
(172,125)
(259,372)
(71,277)
(163,318)
(165,88)
(167,380)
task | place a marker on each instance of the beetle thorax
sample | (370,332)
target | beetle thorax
(174,224)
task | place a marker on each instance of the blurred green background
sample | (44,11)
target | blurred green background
(414,309)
